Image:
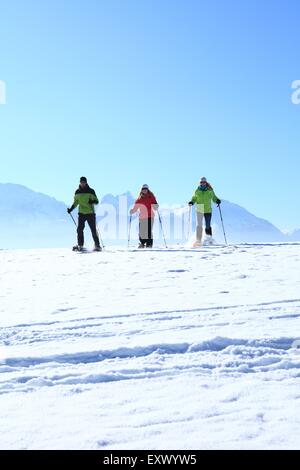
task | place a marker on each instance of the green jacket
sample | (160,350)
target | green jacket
(203,200)
(85,199)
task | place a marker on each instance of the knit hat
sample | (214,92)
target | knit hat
(145,186)
(83,179)
(203,180)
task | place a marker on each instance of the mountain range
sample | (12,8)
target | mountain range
(33,220)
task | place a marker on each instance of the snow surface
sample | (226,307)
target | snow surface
(162,349)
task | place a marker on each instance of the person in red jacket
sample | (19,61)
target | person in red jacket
(146,204)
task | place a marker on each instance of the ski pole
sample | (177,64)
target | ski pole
(189,223)
(129,229)
(99,236)
(162,228)
(223,225)
(73,219)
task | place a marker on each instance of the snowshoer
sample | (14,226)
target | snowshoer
(146,204)
(203,196)
(85,197)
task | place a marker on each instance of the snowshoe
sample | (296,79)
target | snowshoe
(208,241)
(78,248)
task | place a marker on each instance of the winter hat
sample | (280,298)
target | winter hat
(145,186)
(83,179)
(203,180)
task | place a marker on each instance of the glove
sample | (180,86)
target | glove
(191,203)
(131,212)
(91,201)
(218,202)
(155,207)
(69,210)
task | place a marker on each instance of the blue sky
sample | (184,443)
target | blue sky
(162,92)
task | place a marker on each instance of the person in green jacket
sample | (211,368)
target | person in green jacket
(203,196)
(85,197)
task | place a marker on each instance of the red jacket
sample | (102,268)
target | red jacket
(145,206)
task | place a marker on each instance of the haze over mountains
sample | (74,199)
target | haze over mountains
(35,220)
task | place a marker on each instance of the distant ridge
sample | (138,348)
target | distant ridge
(32,219)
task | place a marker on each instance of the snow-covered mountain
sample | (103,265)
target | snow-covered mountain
(32,219)
(242,226)
(294,235)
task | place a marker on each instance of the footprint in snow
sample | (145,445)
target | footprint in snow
(177,270)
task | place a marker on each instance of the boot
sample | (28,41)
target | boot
(77,248)
(209,239)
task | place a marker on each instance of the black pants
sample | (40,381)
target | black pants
(91,220)
(146,235)
(208,229)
